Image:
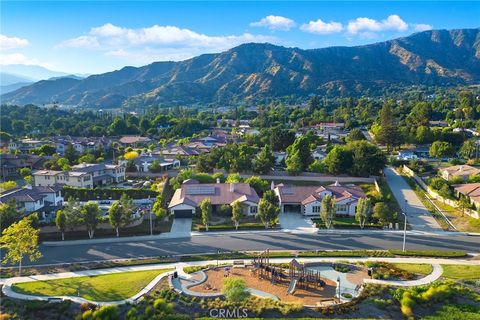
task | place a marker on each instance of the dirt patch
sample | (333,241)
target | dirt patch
(357,276)
(310,296)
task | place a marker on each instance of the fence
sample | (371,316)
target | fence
(409,172)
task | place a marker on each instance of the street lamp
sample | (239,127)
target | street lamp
(338,280)
(151,225)
(404,226)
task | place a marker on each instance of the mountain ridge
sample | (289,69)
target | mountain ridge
(256,71)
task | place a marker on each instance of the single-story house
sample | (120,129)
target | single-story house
(186,199)
(469,190)
(308,199)
(462,171)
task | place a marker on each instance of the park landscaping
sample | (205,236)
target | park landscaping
(110,287)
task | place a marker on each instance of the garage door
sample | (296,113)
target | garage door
(183,214)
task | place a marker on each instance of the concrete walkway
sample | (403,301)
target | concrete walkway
(435,275)
(7,283)
(418,216)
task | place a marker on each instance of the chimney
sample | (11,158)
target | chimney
(461,168)
(218,180)
(272,185)
(232,187)
(28,186)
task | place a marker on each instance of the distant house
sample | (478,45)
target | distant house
(186,199)
(462,171)
(469,190)
(182,151)
(82,176)
(438,123)
(43,200)
(143,163)
(318,154)
(307,200)
(10,164)
(25,145)
(134,141)
(280,157)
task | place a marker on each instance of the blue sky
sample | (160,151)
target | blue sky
(94,37)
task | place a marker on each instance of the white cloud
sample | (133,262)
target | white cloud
(144,45)
(422,27)
(321,27)
(275,23)
(12,42)
(367,26)
(110,37)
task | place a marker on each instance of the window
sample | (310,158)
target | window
(316,209)
(341,207)
(253,209)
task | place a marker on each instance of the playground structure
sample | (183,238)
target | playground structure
(297,275)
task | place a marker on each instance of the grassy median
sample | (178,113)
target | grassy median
(109,287)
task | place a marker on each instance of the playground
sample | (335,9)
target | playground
(293,282)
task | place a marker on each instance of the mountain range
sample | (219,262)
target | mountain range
(257,71)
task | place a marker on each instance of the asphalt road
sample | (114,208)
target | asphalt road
(418,216)
(254,241)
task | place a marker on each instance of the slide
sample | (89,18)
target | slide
(292,286)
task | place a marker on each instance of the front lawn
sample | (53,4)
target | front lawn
(109,287)
(219,222)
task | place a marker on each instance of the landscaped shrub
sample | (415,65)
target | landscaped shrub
(103,313)
(234,289)
(341,268)
(430,253)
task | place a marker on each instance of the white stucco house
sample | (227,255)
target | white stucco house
(307,200)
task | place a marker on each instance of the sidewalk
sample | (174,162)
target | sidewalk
(436,273)
(7,283)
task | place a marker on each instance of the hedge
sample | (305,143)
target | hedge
(430,253)
(84,194)
(225,227)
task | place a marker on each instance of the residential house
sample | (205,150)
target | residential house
(307,200)
(25,145)
(135,141)
(45,200)
(82,176)
(10,164)
(462,171)
(319,153)
(186,199)
(469,190)
(143,162)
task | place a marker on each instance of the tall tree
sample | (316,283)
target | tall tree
(8,213)
(383,213)
(265,160)
(441,149)
(61,222)
(206,209)
(328,211)
(299,155)
(388,133)
(237,213)
(362,213)
(91,214)
(20,240)
(72,210)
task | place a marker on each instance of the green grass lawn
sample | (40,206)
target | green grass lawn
(110,287)
(415,268)
(460,272)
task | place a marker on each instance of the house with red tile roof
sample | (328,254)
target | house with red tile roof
(308,199)
(471,191)
(186,199)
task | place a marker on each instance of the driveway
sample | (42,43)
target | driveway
(181,227)
(295,222)
(418,216)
